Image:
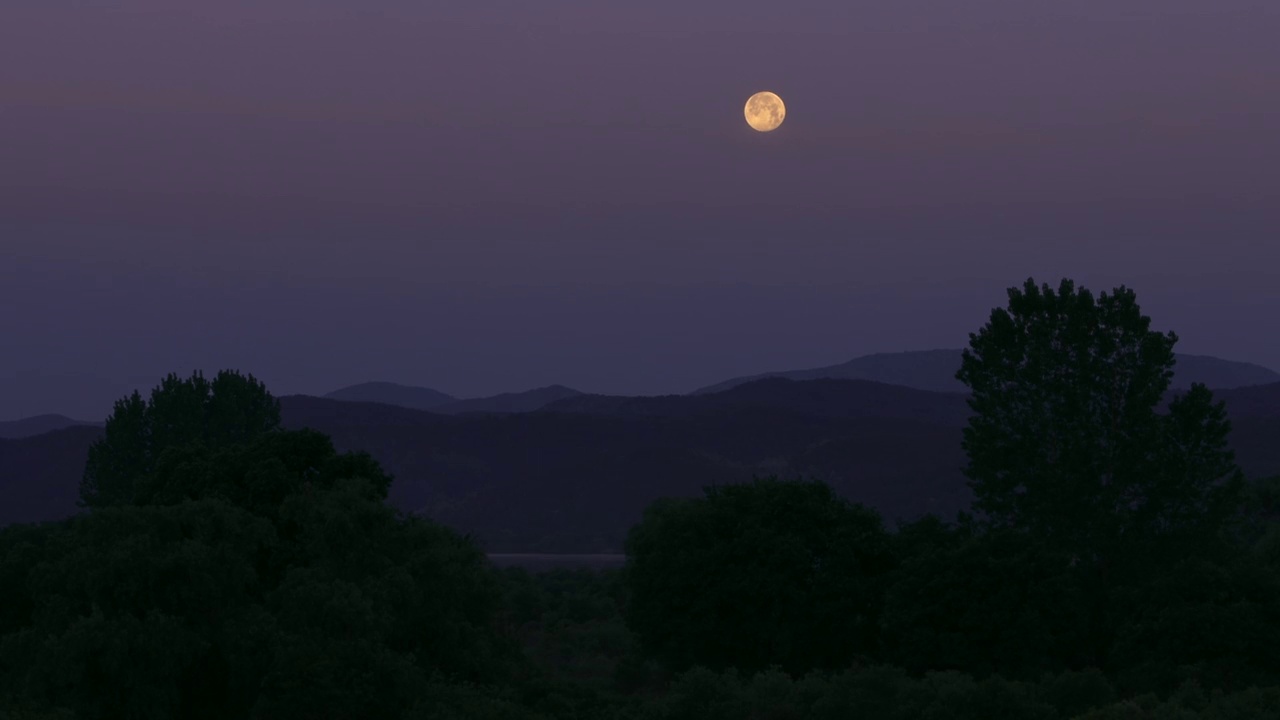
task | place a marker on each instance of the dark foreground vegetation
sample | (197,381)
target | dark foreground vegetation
(1115,565)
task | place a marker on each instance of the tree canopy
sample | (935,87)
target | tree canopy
(989,603)
(229,568)
(772,572)
(1066,439)
(229,410)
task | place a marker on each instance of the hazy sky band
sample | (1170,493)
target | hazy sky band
(439,171)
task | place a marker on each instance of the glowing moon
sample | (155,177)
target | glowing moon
(764,111)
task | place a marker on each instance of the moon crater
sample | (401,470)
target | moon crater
(764,111)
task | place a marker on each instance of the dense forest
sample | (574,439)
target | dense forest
(1116,564)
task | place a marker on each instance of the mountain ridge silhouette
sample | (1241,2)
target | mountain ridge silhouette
(575,478)
(38,425)
(510,402)
(935,370)
(389,393)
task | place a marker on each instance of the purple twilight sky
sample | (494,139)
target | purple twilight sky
(483,196)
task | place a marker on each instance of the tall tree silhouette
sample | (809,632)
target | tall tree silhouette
(231,409)
(1067,444)
(1066,439)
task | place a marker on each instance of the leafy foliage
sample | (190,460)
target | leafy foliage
(1067,446)
(773,572)
(1217,624)
(247,572)
(227,411)
(230,569)
(1065,439)
(984,604)
(258,474)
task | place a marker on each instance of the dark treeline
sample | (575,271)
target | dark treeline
(1115,565)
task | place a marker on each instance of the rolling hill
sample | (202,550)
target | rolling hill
(419,398)
(37,425)
(1252,402)
(527,401)
(819,398)
(40,475)
(575,475)
(575,482)
(935,370)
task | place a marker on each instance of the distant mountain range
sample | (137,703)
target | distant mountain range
(38,425)
(576,474)
(575,481)
(40,475)
(387,393)
(819,398)
(1259,401)
(515,402)
(936,370)
(929,370)
(420,398)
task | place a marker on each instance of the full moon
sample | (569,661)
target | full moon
(764,111)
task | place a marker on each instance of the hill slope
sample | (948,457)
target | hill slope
(40,475)
(575,480)
(419,398)
(527,401)
(37,425)
(1251,402)
(819,398)
(935,370)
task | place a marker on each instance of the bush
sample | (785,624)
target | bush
(768,573)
